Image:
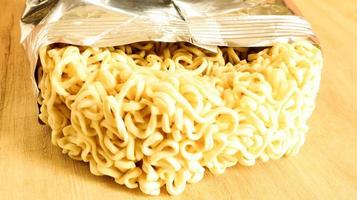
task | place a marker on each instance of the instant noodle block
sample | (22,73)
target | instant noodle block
(155,115)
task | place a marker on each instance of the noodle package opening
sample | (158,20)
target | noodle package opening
(155,93)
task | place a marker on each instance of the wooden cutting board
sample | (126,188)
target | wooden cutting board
(326,168)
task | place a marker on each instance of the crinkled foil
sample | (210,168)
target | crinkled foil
(205,23)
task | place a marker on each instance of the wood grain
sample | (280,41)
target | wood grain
(326,168)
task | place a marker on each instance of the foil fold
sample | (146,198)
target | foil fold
(205,23)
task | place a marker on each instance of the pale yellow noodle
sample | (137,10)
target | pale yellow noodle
(156,114)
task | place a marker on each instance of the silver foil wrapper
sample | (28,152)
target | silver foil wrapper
(205,23)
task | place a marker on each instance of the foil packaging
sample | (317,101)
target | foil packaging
(205,23)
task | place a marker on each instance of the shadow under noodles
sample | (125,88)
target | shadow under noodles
(45,153)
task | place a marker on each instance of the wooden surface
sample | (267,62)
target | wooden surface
(326,168)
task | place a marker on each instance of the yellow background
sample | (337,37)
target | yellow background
(326,168)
